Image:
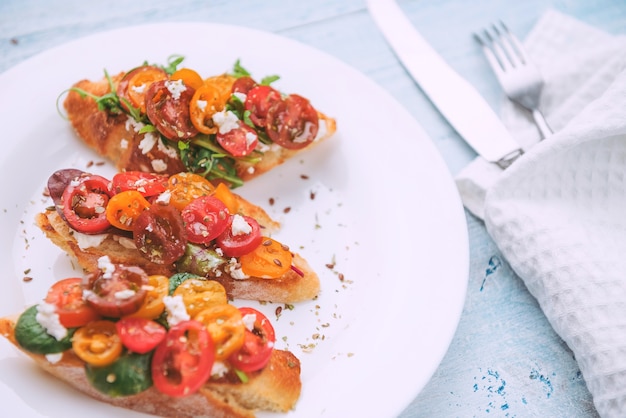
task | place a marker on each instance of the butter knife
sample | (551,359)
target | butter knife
(457,100)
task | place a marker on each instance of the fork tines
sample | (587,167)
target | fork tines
(500,45)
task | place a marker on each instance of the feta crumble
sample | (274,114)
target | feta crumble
(176,87)
(48,318)
(226,121)
(107,267)
(176,311)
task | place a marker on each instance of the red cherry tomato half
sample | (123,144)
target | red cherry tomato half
(240,141)
(84,204)
(73,310)
(242,236)
(167,107)
(259,100)
(258,343)
(148,184)
(182,363)
(205,218)
(243,85)
(140,335)
(292,123)
(159,234)
(118,293)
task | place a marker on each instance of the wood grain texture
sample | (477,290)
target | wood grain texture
(505,360)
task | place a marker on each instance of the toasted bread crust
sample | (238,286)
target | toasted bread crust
(111,136)
(275,388)
(290,288)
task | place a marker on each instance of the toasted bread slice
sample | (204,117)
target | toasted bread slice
(275,388)
(115,136)
(290,288)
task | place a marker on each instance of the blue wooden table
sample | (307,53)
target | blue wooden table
(505,359)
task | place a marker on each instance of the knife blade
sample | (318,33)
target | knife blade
(457,100)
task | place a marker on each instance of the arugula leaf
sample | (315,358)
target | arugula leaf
(172,63)
(239,71)
(267,80)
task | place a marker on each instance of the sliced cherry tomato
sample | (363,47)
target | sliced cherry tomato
(242,236)
(243,85)
(118,293)
(186,187)
(269,260)
(139,82)
(84,204)
(190,77)
(205,102)
(223,193)
(199,294)
(205,218)
(239,141)
(67,296)
(182,363)
(140,335)
(58,182)
(156,290)
(258,343)
(167,107)
(148,184)
(97,343)
(159,234)
(124,208)
(223,83)
(259,100)
(292,123)
(226,328)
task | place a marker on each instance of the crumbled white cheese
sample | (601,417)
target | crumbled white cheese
(167,150)
(139,89)
(249,320)
(250,138)
(226,121)
(219,369)
(132,124)
(239,226)
(240,96)
(250,169)
(159,165)
(54,358)
(124,143)
(176,87)
(107,267)
(85,241)
(124,294)
(261,147)
(234,270)
(176,311)
(164,197)
(147,143)
(202,104)
(48,318)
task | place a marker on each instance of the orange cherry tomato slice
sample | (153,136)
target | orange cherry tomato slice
(73,310)
(226,328)
(190,77)
(186,187)
(269,260)
(139,82)
(97,343)
(156,290)
(206,101)
(200,294)
(223,193)
(124,208)
(223,83)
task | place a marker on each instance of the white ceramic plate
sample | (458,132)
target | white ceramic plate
(376,201)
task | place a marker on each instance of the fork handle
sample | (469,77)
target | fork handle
(542,125)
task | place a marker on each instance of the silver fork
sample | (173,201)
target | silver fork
(519,77)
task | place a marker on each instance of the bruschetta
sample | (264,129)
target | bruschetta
(229,127)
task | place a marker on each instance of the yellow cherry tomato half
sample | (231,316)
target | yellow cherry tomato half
(226,328)
(190,77)
(186,187)
(200,294)
(269,260)
(153,306)
(206,102)
(139,82)
(124,208)
(97,343)
(223,193)
(224,85)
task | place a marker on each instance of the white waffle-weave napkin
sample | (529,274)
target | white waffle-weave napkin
(558,214)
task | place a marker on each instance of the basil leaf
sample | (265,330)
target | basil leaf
(128,375)
(34,338)
(178,278)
